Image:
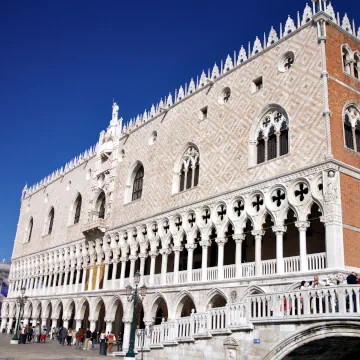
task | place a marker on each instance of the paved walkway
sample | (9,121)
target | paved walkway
(51,350)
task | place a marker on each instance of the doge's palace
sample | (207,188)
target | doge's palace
(225,196)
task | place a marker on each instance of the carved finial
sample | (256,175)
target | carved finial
(330,11)
(273,37)
(115,111)
(346,24)
(242,56)
(215,72)
(307,15)
(257,46)
(289,26)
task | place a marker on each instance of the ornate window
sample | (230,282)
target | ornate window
(51,221)
(138,184)
(100,205)
(357,65)
(29,229)
(190,168)
(272,136)
(77,214)
(352,128)
(346,59)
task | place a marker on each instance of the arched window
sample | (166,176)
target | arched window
(51,220)
(101,205)
(138,184)
(272,137)
(190,169)
(346,59)
(78,203)
(260,148)
(352,128)
(272,144)
(357,65)
(29,229)
(284,139)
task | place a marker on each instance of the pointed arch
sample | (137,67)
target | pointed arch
(186,170)
(77,209)
(252,290)
(347,56)
(269,135)
(134,183)
(182,300)
(158,302)
(213,298)
(49,221)
(29,230)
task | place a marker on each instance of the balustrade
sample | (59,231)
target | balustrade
(229,272)
(248,269)
(212,273)
(268,267)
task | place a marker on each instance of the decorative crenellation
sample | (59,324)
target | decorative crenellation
(243,56)
(72,164)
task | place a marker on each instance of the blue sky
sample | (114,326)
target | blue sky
(62,63)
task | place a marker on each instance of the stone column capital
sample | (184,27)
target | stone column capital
(279,229)
(153,254)
(221,241)
(239,238)
(205,243)
(258,233)
(165,251)
(132,257)
(302,225)
(191,247)
(178,248)
(123,259)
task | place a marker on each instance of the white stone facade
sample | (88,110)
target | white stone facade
(75,264)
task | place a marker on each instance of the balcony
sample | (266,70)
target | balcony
(94,227)
(322,304)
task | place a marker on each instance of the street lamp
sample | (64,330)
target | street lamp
(142,333)
(21,300)
(132,295)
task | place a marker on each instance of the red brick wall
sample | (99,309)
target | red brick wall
(350,198)
(339,95)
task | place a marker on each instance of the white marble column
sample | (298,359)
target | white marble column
(53,325)
(258,234)
(84,278)
(126,336)
(43,323)
(66,323)
(204,259)
(108,327)
(302,226)
(78,324)
(142,268)
(106,275)
(113,275)
(92,324)
(334,243)
(239,238)
(132,259)
(91,278)
(164,261)
(190,248)
(72,274)
(152,267)
(65,288)
(122,273)
(3,324)
(10,325)
(221,245)
(176,250)
(97,281)
(77,280)
(279,230)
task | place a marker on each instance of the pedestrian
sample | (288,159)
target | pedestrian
(38,333)
(43,335)
(69,337)
(118,343)
(53,332)
(33,334)
(87,339)
(57,331)
(111,340)
(79,337)
(74,337)
(93,339)
(63,335)
(29,333)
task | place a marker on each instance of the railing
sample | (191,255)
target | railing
(217,318)
(182,277)
(184,327)
(98,224)
(196,275)
(248,269)
(316,261)
(229,272)
(292,264)
(343,300)
(268,267)
(156,335)
(212,273)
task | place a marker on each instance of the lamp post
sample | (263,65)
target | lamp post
(142,333)
(21,300)
(132,295)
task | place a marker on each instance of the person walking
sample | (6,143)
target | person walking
(93,339)
(74,337)
(29,333)
(63,335)
(43,335)
(87,339)
(79,337)
(111,340)
(33,334)
(69,337)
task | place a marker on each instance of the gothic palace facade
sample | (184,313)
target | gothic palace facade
(225,195)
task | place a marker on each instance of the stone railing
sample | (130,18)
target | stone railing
(96,225)
(326,303)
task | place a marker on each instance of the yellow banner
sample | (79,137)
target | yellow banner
(102,273)
(87,277)
(93,283)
